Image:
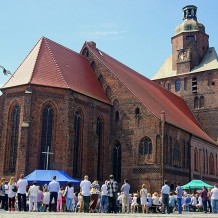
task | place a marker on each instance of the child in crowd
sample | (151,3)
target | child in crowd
(59,200)
(46,199)
(134,204)
(171,202)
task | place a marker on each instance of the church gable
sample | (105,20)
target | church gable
(53,65)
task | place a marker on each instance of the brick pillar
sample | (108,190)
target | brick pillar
(23,147)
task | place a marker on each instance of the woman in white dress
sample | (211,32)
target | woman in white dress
(11,194)
(33,193)
(143,198)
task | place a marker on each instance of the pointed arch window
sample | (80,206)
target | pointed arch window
(77,144)
(169,86)
(211,165)
(206,165)
(203,161)
(187,155)
(196,102)
(167,150)
(184,155)
(99,131)
(117,161)
(170,150)
(14,134)
(145,146)
(176,154)
(201,102)
(177,85)
(196,159)
(46,136)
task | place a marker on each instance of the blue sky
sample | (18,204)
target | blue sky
(136,32)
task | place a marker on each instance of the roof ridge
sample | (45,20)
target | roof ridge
(58,68)
(36,58)
(120,80)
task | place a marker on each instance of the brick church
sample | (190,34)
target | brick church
(87,113)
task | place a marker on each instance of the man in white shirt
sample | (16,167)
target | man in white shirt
(21,192)
(165,191)
(53,188)
(85,187)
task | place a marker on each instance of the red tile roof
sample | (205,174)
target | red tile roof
(51,64)
(155,98)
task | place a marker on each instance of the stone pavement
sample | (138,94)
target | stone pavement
(16,214)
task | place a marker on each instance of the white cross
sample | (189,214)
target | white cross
(47,153)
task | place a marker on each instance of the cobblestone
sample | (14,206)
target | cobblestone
(16,214)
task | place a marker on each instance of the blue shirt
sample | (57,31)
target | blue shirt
(125,189)
(53,186)
(179,191)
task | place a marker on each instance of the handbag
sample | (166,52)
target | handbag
(14,188)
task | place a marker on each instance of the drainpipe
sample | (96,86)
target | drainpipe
(163,119)
(190,164)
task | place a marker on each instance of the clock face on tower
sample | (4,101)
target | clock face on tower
(183,55)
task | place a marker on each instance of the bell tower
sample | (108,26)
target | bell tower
(190,42)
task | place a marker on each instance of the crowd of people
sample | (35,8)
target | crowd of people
(107,198)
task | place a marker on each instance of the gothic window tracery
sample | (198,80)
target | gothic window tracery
(14,133)
(99,132)
(117,161)
(211,165)
(196,102)
(145,146)
(46,136)
(196,159)
(77,144)
(176,154)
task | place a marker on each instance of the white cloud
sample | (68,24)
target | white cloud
(102,34)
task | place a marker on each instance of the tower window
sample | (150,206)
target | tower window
(196,102)
(177,85)
(194,85)
(169,86)
(210,81)
(201,102)
(190,38)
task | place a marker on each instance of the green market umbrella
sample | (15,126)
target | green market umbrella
(196,184)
